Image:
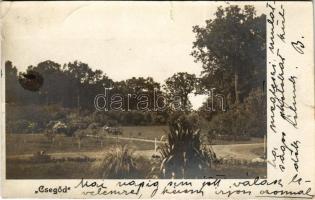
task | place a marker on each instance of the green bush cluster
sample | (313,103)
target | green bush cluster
(38,119)
(243,120)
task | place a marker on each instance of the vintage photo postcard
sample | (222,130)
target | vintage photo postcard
(165,100)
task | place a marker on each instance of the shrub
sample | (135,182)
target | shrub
(243,120)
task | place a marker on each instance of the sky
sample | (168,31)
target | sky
(123,39)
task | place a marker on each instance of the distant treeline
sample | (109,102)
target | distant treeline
(73,85)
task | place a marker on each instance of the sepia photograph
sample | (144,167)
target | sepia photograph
(141,90)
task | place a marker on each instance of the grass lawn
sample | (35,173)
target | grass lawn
(31,143)
(77,170)
(65,170)
(145,132)
(21,144)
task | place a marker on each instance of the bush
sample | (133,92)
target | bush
(243,120)
(18,115)
(37,117)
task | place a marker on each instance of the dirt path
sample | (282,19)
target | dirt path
(135,139)
(238,151)
(235,151)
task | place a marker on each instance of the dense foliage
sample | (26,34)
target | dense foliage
(232,50)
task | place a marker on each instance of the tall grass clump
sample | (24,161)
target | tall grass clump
(184,156)
(120,162)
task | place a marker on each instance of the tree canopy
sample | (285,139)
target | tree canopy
(232,50)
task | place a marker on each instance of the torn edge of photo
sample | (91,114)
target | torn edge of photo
(166,100)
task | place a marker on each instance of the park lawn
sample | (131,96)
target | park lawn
(78,170)
(22,144)
(145,132)
(17,144)
(64,170)
(152,132)
(31,143)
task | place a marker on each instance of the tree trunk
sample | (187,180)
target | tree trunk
(184,99)
(236,90)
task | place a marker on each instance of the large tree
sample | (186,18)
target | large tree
(84,83)
(231,48)
(181,85)
(53,81)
